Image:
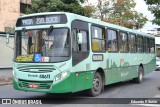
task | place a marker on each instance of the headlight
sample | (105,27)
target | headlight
(61,76)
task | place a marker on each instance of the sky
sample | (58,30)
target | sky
(142,8)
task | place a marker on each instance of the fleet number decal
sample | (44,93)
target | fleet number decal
(43,76)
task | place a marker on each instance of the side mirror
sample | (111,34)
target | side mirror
(7,38)
(79,38)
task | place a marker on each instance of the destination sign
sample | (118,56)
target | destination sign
(42,20)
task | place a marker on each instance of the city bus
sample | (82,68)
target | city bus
(60,52)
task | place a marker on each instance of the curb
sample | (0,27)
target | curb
(5,83)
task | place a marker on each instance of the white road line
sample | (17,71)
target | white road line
(157,96)
(148,105)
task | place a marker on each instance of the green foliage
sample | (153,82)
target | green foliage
(154,7)
(122,13)
(72,6)
(89,10)
(103,8)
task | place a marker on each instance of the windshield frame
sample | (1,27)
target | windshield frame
(16,49)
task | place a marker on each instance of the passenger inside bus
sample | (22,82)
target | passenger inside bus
(111,46)
(31,49)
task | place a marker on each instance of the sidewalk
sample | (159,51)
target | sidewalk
(5,76)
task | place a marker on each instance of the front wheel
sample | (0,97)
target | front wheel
(139,79)
(97,85)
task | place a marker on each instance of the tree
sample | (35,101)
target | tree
(72,6)
(103,9)
(89,10)
(154,7)
(121,12)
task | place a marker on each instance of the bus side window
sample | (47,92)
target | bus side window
(111,40)
(140,44)
(84,45)
(98,39)
(123,42)
(132,43)
(79,47)
(152,45)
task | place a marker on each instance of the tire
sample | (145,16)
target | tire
(97,85)
(139,79)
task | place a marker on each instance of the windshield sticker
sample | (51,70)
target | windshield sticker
(37,57)
(44,59)
(26,58)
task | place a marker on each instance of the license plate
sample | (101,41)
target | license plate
(33,86)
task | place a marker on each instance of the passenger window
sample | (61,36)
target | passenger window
(146,45)
(123,43)
(98,39)
(140,44)
(111,43)
(132,43)
(152,45)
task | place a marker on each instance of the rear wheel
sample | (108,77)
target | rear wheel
(97,85)
(139,79)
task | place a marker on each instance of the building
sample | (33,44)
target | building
(10,10)
(155,31)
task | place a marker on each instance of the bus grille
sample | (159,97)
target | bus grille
(41,84)
(36,68)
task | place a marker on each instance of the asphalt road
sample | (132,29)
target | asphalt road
(149,88)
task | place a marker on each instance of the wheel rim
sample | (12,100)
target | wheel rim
(96,84)
(140,76)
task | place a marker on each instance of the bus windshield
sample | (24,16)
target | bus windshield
(43,45)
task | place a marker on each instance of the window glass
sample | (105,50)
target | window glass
(132,42)
(84,41)
(146,45)
(140,44)
(111,40)
(96,32)
(123,42)
(98,40)
(42,45)
(79,47)
(152,45)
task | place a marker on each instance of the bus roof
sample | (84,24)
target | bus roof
(91,20)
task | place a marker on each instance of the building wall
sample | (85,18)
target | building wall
(9,12)
(6,53)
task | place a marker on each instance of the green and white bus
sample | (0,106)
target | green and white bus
(59,52)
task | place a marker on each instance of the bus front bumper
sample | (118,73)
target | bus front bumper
(62,86)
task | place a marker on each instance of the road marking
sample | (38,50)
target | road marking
(157,96)
(148,105)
